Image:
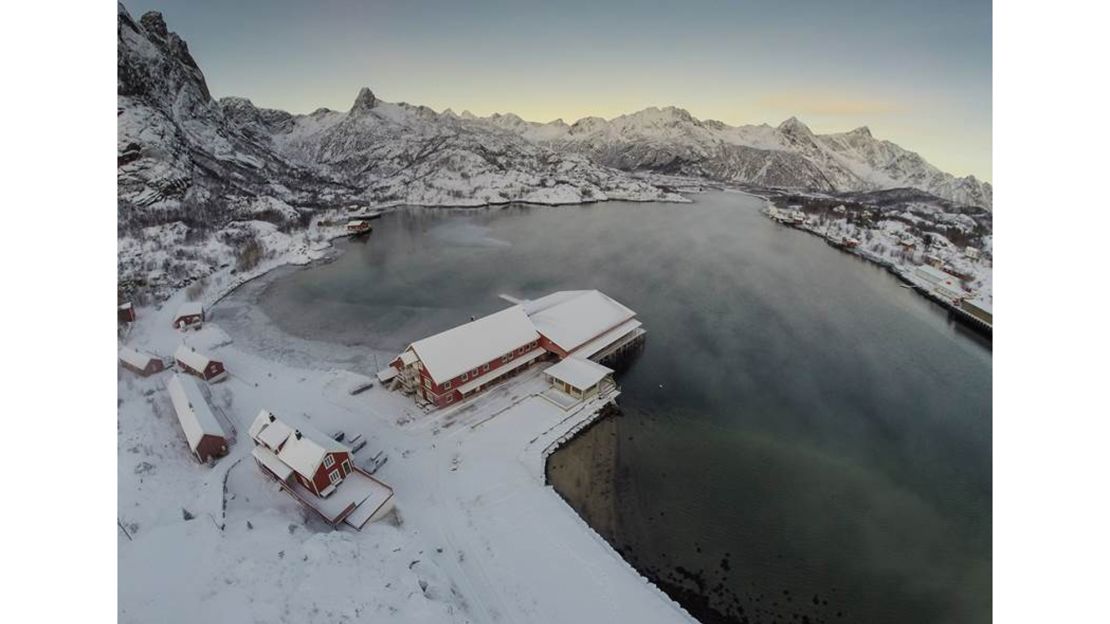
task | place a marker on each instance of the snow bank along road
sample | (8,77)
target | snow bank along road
(477,536)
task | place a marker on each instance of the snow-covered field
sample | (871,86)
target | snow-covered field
(476,537)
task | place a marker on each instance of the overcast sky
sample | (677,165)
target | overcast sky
(916,72)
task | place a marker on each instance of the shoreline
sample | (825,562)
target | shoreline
(262,371)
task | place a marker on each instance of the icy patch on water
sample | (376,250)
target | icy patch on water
(466,235)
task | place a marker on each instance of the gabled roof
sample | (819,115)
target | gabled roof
(460,349)
(580,373)
(192,359)
(280,469)
(934,272)
(303,454)
(192,410)
(268,431)
(579,317)
(135,358)
(190,308)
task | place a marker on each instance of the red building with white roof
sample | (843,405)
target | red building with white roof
(205,435)
(318,471)
(139,362)
(196,363)
(315,460)
(462,361)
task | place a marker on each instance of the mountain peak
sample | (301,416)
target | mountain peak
(794,126)
(863,131)
(153,22)
(364,102)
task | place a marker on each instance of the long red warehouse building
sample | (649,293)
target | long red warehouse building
(464,360)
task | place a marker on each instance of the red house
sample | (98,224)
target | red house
(206,437)
(140,363)
(314,460)
(126,313)
(189,315)
(318,472)
(461,361)
(202,366)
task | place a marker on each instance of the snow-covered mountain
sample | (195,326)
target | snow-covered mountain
(670,140)
(184,156)
(401,153)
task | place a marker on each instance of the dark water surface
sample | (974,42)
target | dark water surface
(801,439)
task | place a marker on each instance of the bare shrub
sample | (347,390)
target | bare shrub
(249,253)
(196,289)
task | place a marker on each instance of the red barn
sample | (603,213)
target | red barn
(126,313)
(189,315)
(461,361)
(138,362)
(314,460)
(206,437)
(202,366)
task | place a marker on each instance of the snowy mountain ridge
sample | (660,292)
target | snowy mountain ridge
(671,140)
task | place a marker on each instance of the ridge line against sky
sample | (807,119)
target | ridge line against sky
(917,74)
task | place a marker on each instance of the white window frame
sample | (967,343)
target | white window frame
(505,358)
(335,477)
(485,367)
(329,461)
(347,466)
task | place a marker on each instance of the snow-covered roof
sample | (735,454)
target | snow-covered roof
(135,358)
(125,306)
(355,222)
(578,318)
(408,357)
(192,359)
(305,453)
(302,455)
(578,372)
(269,431)
(190,308)
(460,349)
(271,461)
(933,272)
(192,410)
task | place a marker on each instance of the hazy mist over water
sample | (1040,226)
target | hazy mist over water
(799,435)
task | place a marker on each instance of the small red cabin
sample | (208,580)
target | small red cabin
(204,434)
(140,363)
(189,315)
(199,364)
(126,313)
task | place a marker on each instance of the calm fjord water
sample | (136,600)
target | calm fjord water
(800,437)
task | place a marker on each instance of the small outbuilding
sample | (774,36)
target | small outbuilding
(579,378)
(139,362)
(204,434)
(189,315)
(126,313)
(195,363)
(358,226)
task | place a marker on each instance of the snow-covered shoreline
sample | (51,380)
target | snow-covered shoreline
(478,534)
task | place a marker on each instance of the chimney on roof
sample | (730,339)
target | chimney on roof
(297,433)
(271,415)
